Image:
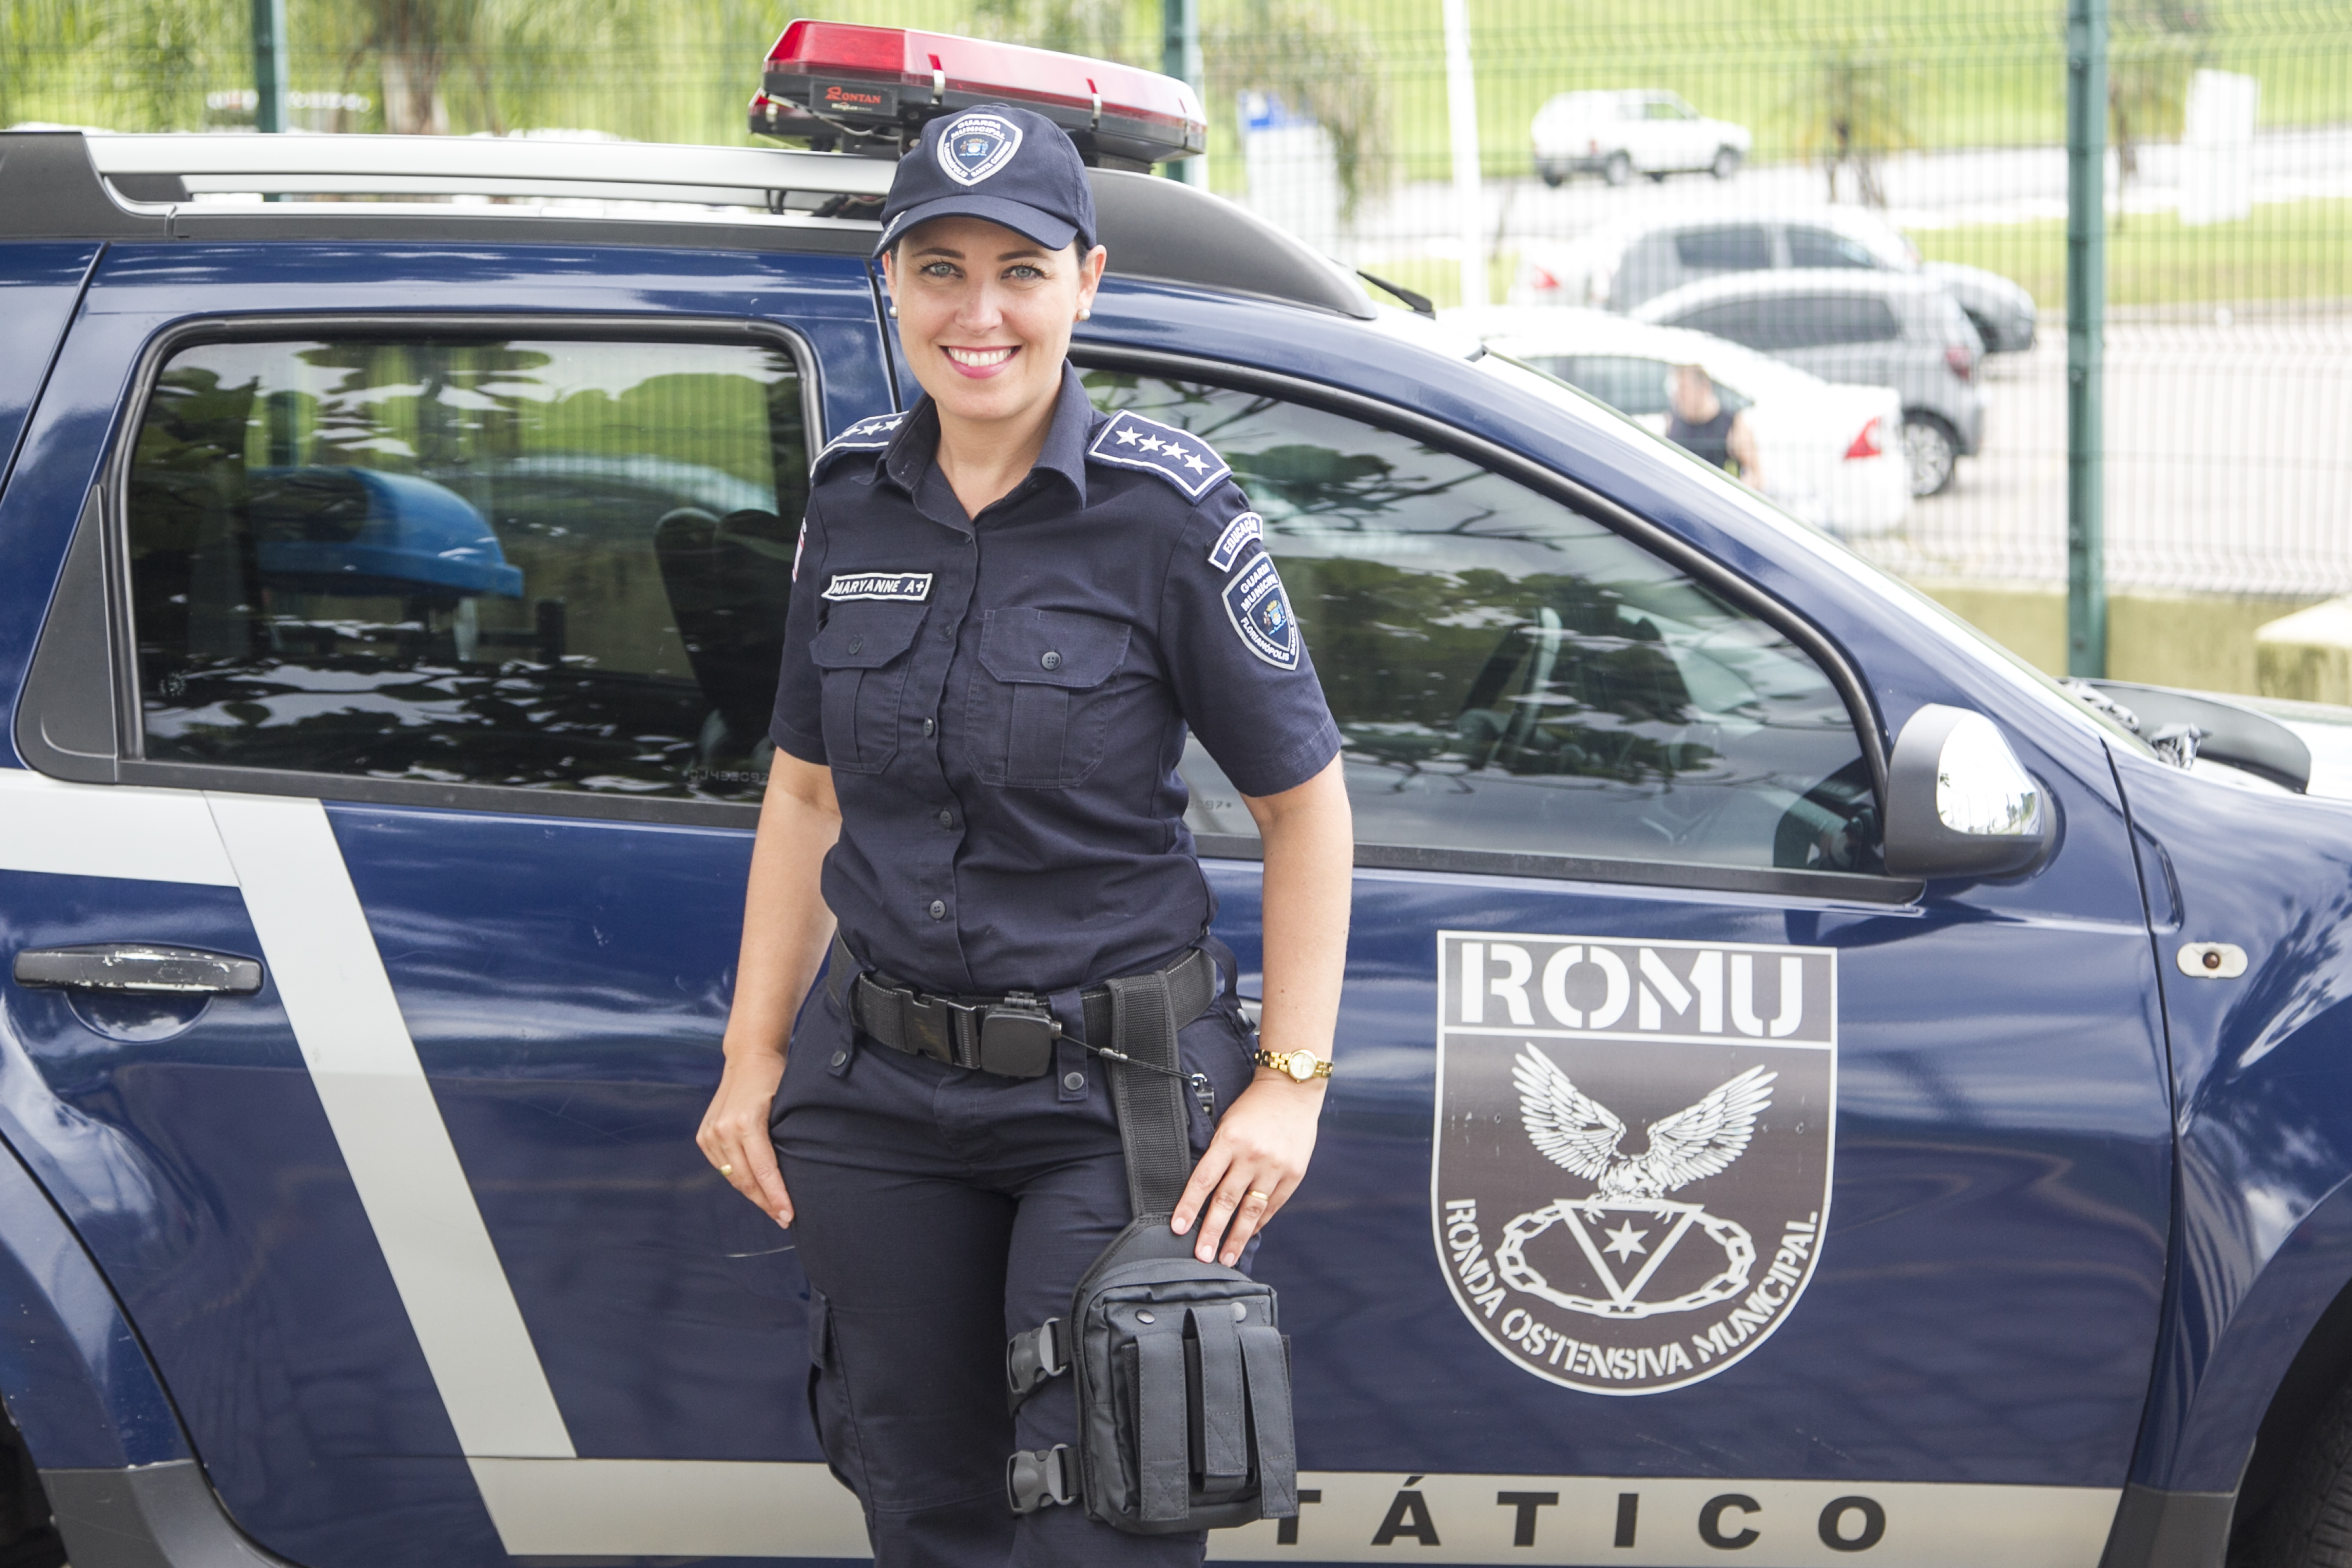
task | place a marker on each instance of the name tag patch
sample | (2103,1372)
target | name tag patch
(1242,532)
(1260,612)
(913,586)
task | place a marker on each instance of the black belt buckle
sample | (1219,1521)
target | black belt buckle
(1016,1037)
(931,1026)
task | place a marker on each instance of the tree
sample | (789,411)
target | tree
(1096,27)
(2153,49)
(126,64)
(1320,67)
(1853,108)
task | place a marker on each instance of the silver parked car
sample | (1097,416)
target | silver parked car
(1623,263)
(1872,328)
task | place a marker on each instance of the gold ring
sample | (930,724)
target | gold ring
(726,1170)
(1263,1196)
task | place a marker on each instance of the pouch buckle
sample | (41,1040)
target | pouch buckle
(1039,1479)
(1031,1358)
(1017,1036)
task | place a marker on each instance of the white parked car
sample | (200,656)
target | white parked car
(1831,454)
(1619,134)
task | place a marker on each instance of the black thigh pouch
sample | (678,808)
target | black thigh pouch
(1183,1373)
(1041,703)
(861,656)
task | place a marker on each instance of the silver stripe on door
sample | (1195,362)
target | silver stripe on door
(331,980)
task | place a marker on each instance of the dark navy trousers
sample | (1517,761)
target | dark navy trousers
(938,1211)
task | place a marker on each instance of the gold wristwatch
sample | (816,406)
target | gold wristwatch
(1299,1066)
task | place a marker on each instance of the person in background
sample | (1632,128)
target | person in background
(1700,424)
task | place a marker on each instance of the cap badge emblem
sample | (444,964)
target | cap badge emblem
(975,146)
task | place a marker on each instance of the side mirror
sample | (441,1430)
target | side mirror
(1959,803)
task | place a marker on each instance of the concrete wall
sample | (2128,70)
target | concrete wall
(2201,640)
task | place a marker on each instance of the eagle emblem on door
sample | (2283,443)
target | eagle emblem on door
(1618,1268)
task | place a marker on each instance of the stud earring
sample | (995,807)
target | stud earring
(1084,313)
(892,308)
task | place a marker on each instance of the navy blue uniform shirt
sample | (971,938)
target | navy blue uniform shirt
(1003,700)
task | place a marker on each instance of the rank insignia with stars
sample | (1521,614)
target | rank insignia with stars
(866,435)
(1130,441)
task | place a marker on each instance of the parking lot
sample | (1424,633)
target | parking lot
(1977,185)
(2226,471)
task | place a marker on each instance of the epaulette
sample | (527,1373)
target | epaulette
(1130,441)
(866,435)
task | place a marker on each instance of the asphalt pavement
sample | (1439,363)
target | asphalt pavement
(2228,467)
(1924,189)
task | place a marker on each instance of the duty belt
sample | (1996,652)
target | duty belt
(1012,1035)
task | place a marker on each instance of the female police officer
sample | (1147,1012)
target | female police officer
(1006,611)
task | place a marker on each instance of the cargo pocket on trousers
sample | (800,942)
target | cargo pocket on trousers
(862,661)
(828,1399)
(1040,716)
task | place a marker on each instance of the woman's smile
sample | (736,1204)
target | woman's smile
(980,362)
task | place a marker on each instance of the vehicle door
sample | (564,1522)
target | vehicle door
(1679,131)
(1650,266)
(1885,1265)
(1723,248)
(1809,244)
(448,596)
(1842,337)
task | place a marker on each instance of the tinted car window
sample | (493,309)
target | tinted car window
(1735,247)
(1508,675)
(1823,320)
(1822,247)
(1749,322)
(1630,385)
(542,564)
(1777,323)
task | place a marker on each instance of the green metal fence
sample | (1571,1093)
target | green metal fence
(2226,202)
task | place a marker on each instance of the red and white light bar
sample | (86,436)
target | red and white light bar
(872,88)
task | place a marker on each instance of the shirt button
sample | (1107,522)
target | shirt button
(930,726)
(1050,659)
(938,909)
(856,643)
(1074,1082)
(947,819)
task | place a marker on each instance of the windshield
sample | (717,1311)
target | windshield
(2022,675)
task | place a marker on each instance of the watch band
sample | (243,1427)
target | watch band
(1299,1066)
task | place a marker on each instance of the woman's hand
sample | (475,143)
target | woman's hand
(1259,1155)
(1254,1165)
(734,1131)
(785,929)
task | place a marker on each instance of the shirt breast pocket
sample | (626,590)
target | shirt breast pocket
(1040,712)
(861,658)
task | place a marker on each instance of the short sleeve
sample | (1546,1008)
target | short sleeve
(796,726)
(1236,655)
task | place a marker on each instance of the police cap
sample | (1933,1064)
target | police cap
(1008,165)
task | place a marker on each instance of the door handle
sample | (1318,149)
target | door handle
(140,967)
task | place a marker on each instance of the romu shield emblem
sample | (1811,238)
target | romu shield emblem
(1631,1171)
(976,146)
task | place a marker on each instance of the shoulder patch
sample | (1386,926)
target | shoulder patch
(1260,612)
(1184,460)
(866,435)
(1239,534)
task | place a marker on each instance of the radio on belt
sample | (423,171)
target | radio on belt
(841,87)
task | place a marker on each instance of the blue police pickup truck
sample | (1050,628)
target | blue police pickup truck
(1814,1092)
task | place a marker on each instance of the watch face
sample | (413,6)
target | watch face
(1301,1066)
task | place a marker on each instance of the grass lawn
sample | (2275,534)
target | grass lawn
(1966,72)
(1960,73)
(2294,250)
